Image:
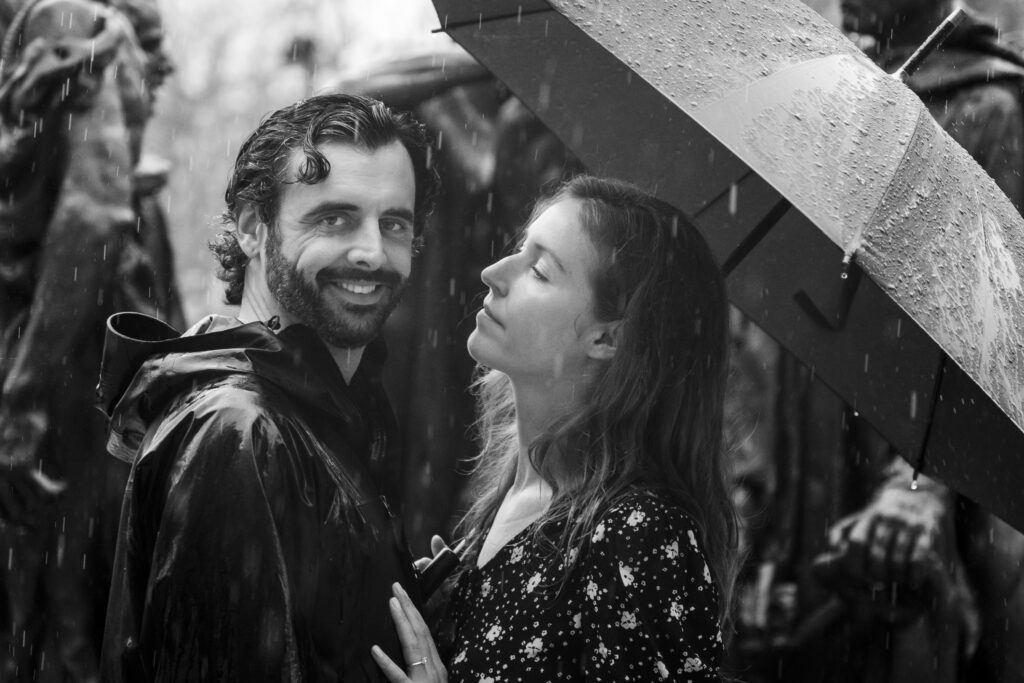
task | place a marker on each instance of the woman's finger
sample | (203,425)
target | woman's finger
(412,649)
(425,642)
(437,544)
(412,614)
(392,671)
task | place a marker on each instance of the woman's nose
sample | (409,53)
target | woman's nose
(492,277)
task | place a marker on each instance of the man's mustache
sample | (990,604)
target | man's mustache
(382,276)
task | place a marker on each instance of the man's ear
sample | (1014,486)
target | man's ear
(251,233)
(605,341)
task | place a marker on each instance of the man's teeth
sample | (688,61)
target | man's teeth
(357,289)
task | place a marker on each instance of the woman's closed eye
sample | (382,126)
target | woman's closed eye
(538,273)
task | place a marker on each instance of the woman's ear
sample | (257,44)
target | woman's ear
(605,341)
(251,233)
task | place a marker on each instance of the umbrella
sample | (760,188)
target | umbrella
(849,225)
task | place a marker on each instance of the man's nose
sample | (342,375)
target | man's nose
(366,250)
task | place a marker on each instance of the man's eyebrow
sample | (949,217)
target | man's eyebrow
(404,214)
(330,206)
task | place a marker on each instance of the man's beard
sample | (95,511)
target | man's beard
(343,325)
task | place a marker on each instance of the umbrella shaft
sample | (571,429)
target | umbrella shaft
(936,39)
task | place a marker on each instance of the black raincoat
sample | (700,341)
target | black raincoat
(255,543)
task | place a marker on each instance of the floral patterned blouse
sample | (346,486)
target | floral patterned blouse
(639,606)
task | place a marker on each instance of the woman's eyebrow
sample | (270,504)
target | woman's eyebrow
(558,262)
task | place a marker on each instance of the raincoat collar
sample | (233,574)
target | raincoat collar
(146,363)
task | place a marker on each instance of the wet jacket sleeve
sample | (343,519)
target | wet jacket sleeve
(649,607)
(219,594)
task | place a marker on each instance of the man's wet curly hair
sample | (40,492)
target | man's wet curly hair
(263,161)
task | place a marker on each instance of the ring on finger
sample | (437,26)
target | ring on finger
(419,662)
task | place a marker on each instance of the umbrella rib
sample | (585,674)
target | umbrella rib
(853,245)
(754,237)
(481,19)
(718,197)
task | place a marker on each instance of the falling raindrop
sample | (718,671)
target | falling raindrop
(733,197)
(913,405)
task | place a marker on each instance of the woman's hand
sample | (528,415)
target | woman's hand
(423,664)
(437,544)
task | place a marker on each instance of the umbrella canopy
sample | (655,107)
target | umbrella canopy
(806,167)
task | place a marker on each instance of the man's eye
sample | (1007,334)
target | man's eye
(331,221)
(389,225)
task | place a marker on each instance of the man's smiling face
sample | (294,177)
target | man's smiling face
(340,251)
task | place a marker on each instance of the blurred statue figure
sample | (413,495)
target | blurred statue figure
(974,87)
(81,236)
(855,575)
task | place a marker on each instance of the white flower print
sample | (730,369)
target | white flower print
(598,533)
(628,620)
(533,648)
(572,555)
(577,622)
(676,610)
(485,588)
(707,574)
(602,650)
(662,670)
(493,634)
(517,554)
(626,572)
(461,657)
(533,582)
(486,679)
(693,664)
(635,517)
(671,550)
(693,539)
(592,590)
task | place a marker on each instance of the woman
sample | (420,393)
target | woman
(601,540)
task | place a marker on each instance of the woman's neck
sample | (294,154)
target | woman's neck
(537,407)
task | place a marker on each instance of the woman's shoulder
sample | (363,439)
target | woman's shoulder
(643,511)
(645,521)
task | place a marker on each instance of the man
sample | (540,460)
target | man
(81,236)
(257,540)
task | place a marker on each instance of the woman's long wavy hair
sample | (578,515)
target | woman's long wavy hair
(652,415)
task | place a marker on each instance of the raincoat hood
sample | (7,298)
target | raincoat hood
(147,363)
(971,55)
